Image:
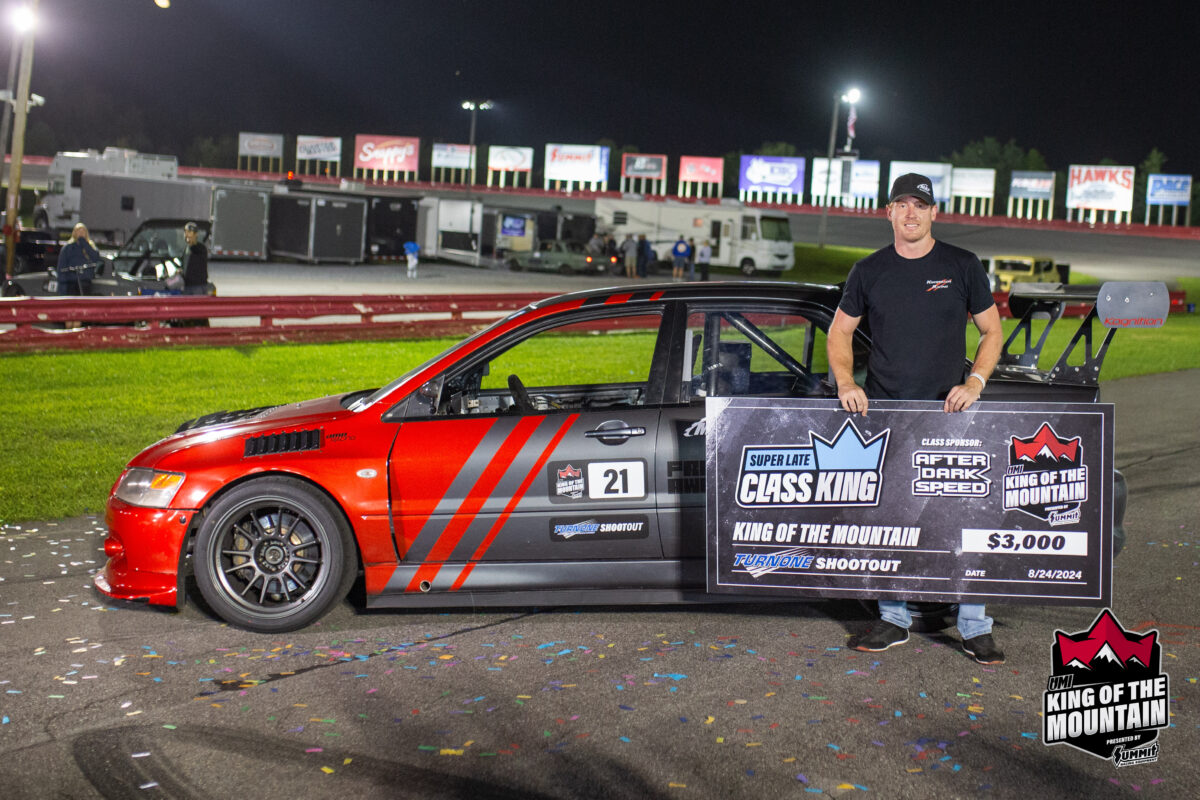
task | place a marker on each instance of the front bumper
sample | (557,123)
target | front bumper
(145,547)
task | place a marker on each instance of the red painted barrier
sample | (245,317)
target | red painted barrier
(81,323)
(78,323)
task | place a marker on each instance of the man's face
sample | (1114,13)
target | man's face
(189,236)
(911,218)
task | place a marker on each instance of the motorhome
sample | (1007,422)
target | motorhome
(746,238)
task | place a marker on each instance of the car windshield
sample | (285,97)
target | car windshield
(776,229)
(162,242)
(379,394)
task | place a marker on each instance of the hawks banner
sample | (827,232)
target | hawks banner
(1005,502)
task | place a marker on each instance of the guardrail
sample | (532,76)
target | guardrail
(94,323)
(81,323)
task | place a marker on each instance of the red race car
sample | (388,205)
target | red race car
(555,457)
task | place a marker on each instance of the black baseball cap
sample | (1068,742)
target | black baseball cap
(191,226)
(912,185)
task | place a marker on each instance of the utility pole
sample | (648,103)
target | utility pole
(18,144)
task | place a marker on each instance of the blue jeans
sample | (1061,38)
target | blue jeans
(972,617)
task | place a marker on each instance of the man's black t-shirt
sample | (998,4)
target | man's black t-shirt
(195,265)
(916,310)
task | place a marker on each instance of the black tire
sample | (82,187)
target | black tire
(565,269)
(11,289)
(514,265)
(273,555)
(747,267)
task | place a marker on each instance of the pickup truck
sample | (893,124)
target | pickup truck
(565,257)
(1025,269)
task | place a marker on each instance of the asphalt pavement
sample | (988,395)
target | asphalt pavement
(99,699)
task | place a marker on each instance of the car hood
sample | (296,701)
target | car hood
(223,426)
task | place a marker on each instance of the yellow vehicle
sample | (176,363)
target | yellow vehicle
(1026,269)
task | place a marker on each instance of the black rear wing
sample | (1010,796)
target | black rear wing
(1115,304)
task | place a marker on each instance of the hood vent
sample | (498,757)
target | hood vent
(222,417)
(290,442)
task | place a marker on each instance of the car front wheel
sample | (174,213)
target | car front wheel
(747,266)
(273,555)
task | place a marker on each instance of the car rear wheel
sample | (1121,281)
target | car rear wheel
(565,269)
(273,555)
(747,266)
(514,265)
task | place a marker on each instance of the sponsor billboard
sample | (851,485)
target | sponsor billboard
(642,165)
(261,145)
(387,153)
(1169,190)
(936,172)
(1027,185)
(577,162)
(453,156)
(967,182)
(699,169)
(1010,503)
(771,174)
(1099,187)
(510,159)
(319,148)
(864,179)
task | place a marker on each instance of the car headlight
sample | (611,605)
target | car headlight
(148,487)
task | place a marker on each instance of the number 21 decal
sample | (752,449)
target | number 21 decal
(610,480)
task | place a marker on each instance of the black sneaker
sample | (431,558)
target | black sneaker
(983,649)
(881,637)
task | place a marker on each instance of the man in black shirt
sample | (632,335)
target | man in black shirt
(916,295)
(195,261)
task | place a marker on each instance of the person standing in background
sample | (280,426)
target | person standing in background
(195,261)
(77,263)
(704,259)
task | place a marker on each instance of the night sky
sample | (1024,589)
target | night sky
(1078,81)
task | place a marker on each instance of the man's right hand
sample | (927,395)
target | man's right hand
(853,399)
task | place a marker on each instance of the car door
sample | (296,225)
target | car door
(538,453)
(751,349)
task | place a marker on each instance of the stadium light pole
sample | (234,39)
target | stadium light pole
(851,96)
(474,106)
(26,21)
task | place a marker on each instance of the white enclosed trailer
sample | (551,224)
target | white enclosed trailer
(113,206)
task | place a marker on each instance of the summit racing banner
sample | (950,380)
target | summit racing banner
(1009,502)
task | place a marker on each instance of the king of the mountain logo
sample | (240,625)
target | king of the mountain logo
(1046,477)
(1106,695)
(569,482)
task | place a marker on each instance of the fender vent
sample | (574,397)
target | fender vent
(290,442)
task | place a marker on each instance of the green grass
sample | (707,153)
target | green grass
(827,264)
(74,419)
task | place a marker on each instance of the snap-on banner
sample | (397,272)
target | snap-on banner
(1004,502)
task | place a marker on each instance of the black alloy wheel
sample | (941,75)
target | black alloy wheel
(273,555)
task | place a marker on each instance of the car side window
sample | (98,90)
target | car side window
(759,354)
(592,364)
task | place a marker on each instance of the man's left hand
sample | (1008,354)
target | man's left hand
(963,396)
